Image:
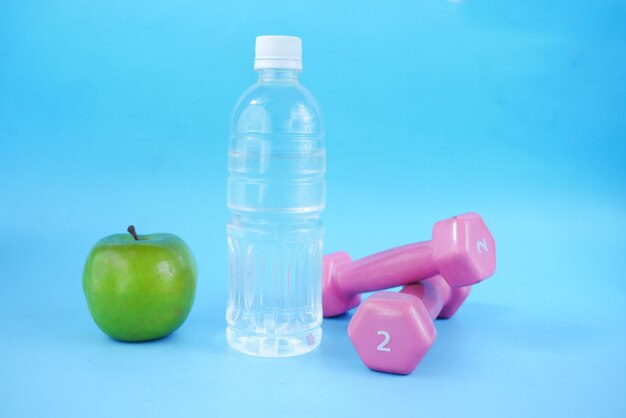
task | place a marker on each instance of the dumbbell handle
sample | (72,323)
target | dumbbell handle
(434,293)
(386,269)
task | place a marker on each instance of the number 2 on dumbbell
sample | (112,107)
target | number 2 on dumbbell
(409,316)
(382,346)
(481,244)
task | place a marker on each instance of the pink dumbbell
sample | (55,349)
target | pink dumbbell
(393,331)
(462,251)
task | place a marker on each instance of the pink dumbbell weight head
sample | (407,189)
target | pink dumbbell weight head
(462,251)
(393,331)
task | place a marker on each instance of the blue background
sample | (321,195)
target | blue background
(116,112)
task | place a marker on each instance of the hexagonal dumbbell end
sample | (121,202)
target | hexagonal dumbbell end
(404,322)
(464,250)
(334,300)
(392,332)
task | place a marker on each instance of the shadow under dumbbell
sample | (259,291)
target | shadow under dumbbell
(448,357)
(463,341)
(514,328)
(482,338)
(489,339)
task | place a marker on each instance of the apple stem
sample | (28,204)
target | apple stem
(131,230)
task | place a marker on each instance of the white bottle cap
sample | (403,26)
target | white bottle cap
(274,51)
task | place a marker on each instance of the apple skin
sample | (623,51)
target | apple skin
(140,290)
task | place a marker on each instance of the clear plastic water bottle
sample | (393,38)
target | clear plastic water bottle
(276,192)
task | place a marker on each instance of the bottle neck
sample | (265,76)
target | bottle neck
(278,75)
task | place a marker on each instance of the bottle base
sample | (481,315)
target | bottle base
(274,346)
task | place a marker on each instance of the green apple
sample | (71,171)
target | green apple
(139,287)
